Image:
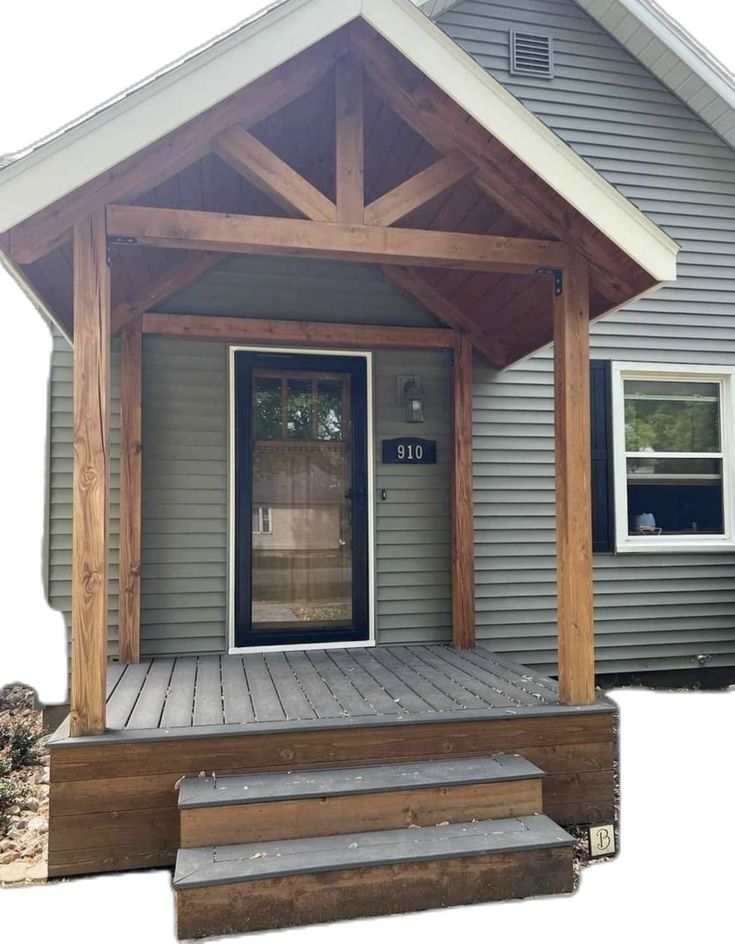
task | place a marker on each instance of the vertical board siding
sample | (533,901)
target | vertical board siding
(61,458)
(652,611)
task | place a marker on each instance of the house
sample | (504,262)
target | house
(326,511)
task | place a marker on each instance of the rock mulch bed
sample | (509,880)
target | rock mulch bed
(24,778)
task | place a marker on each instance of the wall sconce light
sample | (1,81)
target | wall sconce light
(410,393)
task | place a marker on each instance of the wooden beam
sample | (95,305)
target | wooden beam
(163,159)
(350,140)
(433,115)
(254,161)
(414,193)
(573,490)
(131,490)
(463,528)
(196,229)
(206,327)
(90,479)
(417,288)
(170,282)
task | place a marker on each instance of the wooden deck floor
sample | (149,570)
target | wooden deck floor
(324,688)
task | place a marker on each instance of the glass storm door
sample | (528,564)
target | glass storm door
(301,499)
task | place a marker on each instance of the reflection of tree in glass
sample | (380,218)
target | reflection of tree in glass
(690,425)
(330,410)
(267,408)
(299,409)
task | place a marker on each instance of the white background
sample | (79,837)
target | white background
(674,878)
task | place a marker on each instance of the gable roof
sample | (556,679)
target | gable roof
(666,49)
(129,123)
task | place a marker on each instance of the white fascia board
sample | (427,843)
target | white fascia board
(189,89)
(526,136)
(162,105)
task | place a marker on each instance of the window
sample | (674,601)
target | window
(673,457)
(262,520)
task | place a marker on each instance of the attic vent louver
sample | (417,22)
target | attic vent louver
(531,54)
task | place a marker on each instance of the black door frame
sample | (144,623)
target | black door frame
(245,361)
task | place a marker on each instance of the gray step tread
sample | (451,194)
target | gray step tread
(196,792)
(224,865)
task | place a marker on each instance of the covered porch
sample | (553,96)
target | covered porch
(365,141)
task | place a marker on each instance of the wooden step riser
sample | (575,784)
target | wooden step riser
(291,901)
(331,816)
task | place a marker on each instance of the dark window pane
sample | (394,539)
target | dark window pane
(300,402)
(330,410)
(675,496)
(672,416)
(267,408)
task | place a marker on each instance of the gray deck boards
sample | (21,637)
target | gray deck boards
(196,792)
(208,695)
(216,865)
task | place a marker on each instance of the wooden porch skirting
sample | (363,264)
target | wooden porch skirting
(113,797)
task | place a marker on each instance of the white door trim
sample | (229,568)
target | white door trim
(231,535)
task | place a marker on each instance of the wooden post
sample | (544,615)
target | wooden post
(130,490)
(463,530)
(573,489)
(91,471)
(350,133)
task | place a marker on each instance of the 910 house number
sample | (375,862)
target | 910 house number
(409,451)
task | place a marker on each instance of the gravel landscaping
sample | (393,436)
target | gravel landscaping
(23,788)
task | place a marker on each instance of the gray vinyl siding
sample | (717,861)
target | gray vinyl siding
(185,502)
(185,462)
(60,459)
(653,611)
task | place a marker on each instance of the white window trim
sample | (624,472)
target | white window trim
(261,529)
(627,370)
(371,641)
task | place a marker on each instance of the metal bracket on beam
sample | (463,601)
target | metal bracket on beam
(119,241)
(558,276)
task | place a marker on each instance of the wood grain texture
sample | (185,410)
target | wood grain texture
(171,281)
(350,140)
(90,494)
(329,816)
(575,606)
(413,285)
(463,528)
(205,327)
(171,154)
(237,233)
(290,901)
(527,198)
(131,490)
(418,190)
(258,164)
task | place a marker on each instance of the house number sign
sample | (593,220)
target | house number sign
(409,451)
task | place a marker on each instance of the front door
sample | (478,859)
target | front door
(301,499)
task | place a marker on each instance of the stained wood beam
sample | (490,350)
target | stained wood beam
(258,164)
(170,282)
(206,327)
(199,230)
(90,478)
(414,286)
(573,489)
(463,528)
(131,490)
(350,140)
(434,116)
(414,193)
(173,153)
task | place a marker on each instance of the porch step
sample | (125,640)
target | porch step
(260,886)
(273,806)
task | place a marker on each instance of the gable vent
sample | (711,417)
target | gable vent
(531,54)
